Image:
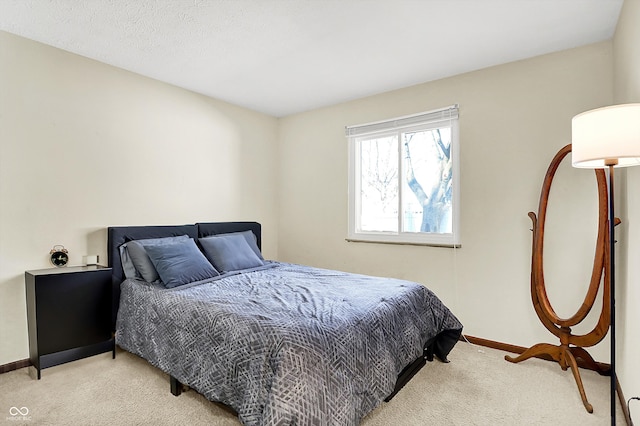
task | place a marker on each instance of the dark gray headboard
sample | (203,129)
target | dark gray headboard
(213,228)
(117,235)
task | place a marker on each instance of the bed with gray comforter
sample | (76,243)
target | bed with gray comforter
(281,344)
(285,344)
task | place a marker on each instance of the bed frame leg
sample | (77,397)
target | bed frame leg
(428,353)
(176,386)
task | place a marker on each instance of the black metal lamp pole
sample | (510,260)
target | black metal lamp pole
(612,291)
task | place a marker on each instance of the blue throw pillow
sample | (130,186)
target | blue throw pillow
(180,263)
(134,253)
(230,252)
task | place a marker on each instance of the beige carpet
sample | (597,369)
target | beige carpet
(478,387)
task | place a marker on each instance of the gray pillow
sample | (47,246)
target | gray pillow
(128,267)
(140,259)
(180,263)
(230,252)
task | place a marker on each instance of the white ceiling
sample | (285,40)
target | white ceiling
(286,56)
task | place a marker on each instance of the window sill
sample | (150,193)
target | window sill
(404,243)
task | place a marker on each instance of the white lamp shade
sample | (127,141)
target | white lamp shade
(604,136)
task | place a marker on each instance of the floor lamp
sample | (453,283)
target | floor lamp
(608,137)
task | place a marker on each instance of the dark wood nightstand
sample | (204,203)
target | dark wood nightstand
(69,314)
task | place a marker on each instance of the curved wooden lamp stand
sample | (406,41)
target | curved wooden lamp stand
(571,345)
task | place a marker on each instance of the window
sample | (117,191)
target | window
(404,179)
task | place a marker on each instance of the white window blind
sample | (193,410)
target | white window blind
(435,116)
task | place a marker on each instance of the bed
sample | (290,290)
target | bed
(279,343)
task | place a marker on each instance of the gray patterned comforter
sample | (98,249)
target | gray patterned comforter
(287,344)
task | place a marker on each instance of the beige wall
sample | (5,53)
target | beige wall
(627,90)
(513,119)
(84,145)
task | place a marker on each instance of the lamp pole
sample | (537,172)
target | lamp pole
(612,290)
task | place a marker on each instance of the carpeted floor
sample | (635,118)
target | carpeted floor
(478,387)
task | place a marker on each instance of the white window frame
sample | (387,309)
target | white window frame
(423,121)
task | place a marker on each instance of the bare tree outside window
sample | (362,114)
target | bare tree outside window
(426,206)
(431,152)
(379,184)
